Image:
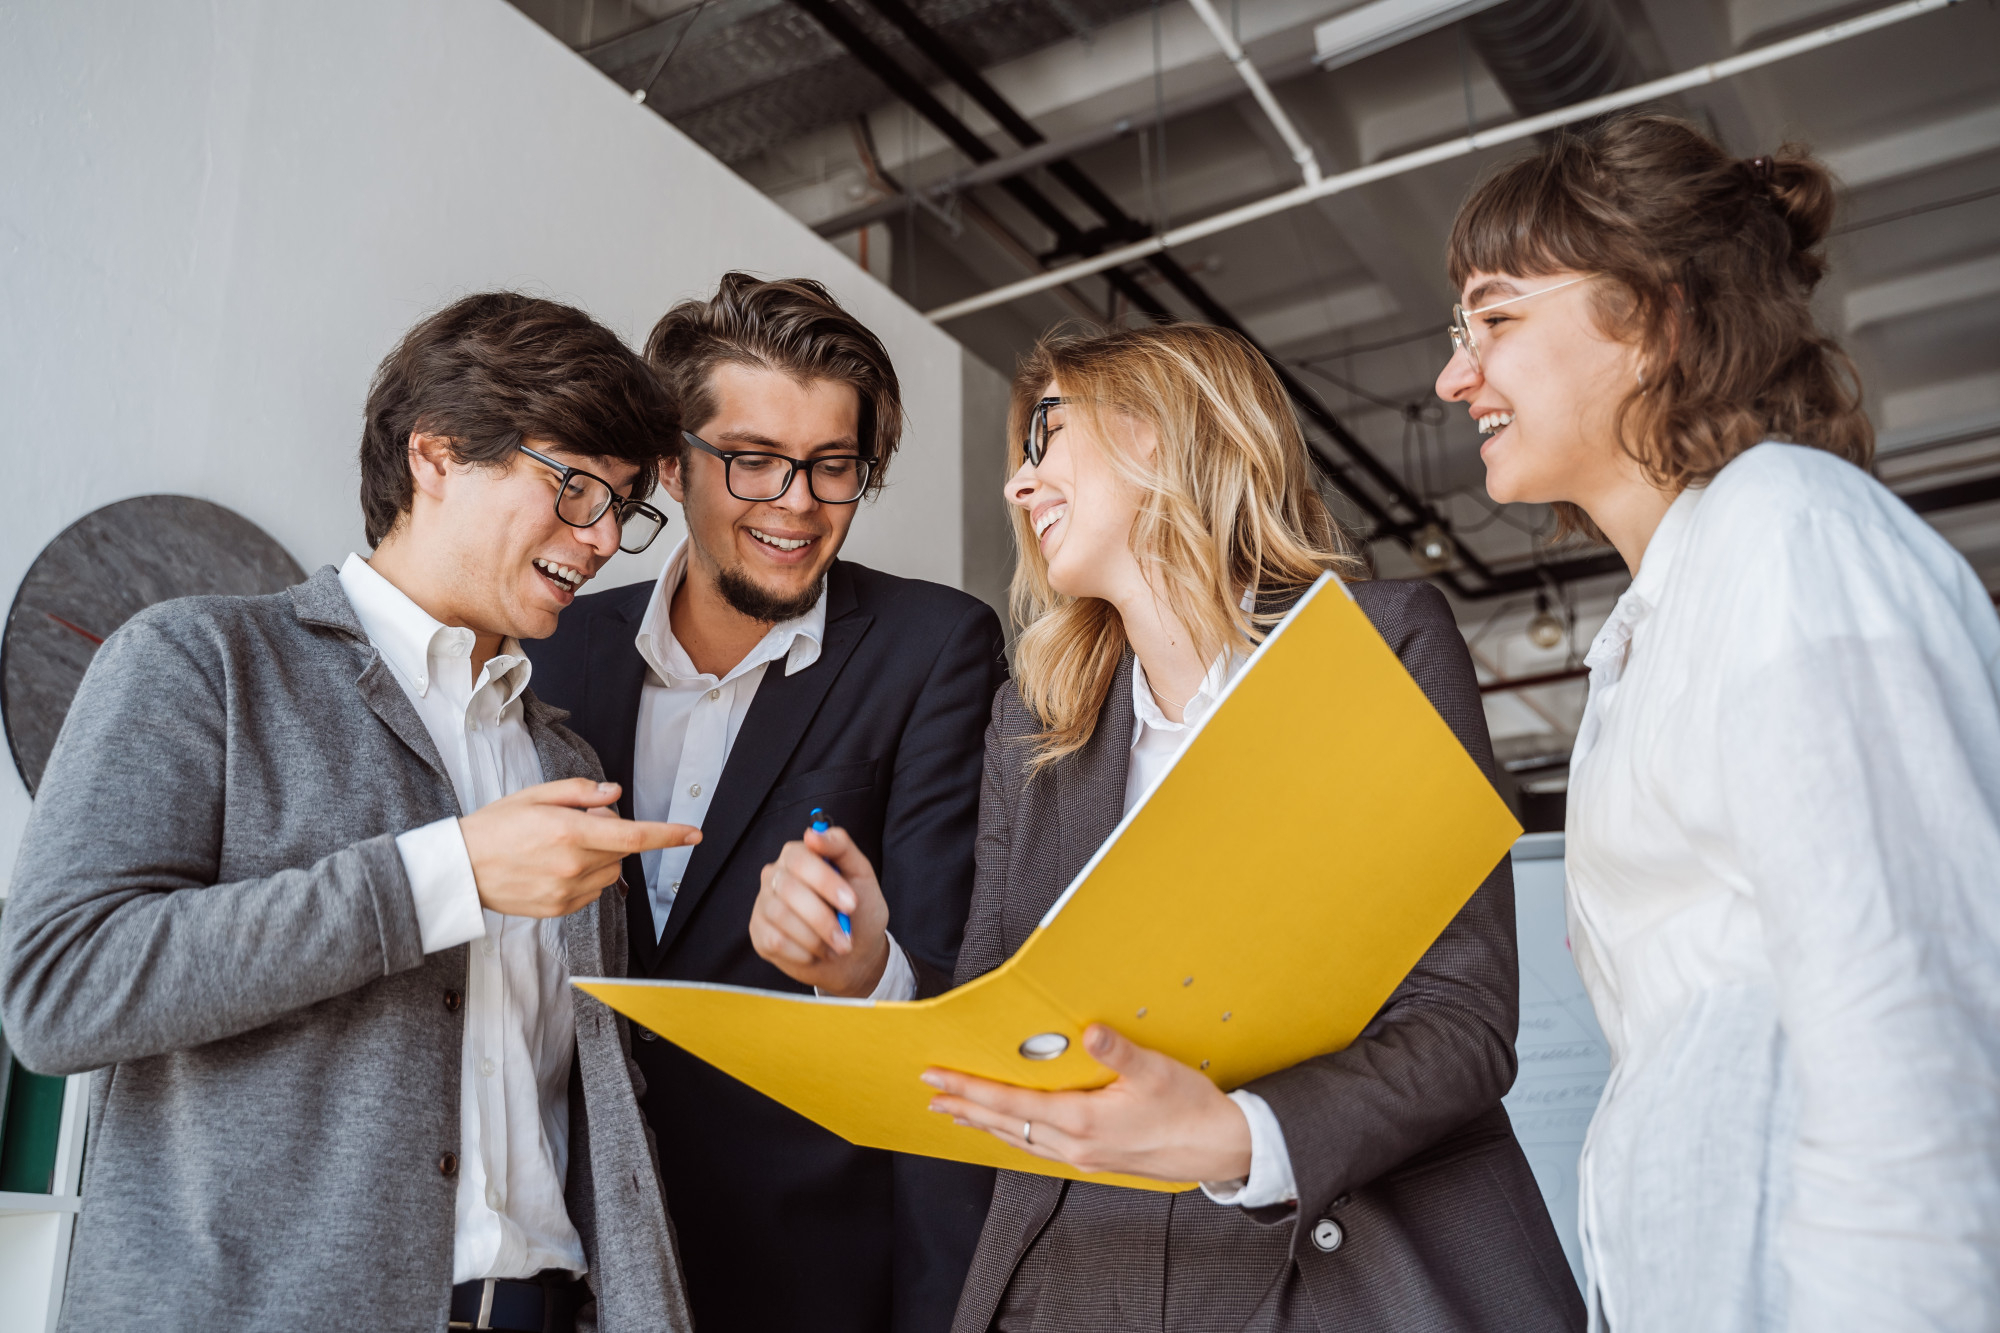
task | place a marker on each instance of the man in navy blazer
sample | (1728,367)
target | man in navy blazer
(758,679)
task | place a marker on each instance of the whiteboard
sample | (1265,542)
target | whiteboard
(1564,1061)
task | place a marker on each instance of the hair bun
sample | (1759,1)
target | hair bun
(1803,190)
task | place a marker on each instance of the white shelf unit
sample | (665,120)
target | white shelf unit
(35,1229)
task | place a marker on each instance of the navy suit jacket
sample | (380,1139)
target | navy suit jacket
(782,1224)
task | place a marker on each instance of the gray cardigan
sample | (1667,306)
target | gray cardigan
(209,910)
(1417,1211)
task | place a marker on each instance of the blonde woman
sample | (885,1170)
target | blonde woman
(1784,808)
(1166,516)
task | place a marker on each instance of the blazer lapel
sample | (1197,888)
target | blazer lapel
(614,677)
(321,601)
(778,718)
(1090,787)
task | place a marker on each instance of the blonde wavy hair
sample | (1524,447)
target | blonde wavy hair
(1228,504)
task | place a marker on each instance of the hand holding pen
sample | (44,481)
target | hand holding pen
(820,917)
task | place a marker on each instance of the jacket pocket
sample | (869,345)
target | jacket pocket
(810,789)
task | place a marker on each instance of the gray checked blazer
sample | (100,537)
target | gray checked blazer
(1417,1211)
(210,912)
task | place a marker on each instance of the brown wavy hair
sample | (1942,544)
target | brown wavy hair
(1228,505)
(790,325)
(1712,261)
(493,370)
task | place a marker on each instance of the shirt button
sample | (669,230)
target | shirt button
(493,1198)
(452,999)
(1327,1235)
(487,947)
(471,725)
(448,1164)
(694,789)
(486,1067)
(715,694)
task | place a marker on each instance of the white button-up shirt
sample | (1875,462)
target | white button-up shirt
(1156,744)
(1784,900)
(688,721)
(520,1034)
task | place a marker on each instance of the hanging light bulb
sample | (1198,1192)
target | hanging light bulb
(1546,630)
(1433,549)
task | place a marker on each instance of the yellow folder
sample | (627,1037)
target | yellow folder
(1255,909)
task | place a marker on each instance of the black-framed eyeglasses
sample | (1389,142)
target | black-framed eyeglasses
(833,479)
(1036,446)
(582,497)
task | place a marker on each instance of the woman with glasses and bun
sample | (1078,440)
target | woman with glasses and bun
(1784,804)
(1166,518)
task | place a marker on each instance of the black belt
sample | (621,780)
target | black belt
(545,1303)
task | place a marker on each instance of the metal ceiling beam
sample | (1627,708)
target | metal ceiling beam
(1511,132)
(1387,521)
(1049,150)
(902,84)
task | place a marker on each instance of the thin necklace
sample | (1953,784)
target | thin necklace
(1180,708)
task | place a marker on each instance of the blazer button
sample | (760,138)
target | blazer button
(448,1164)
(646,1034)
(1327,1235)
(452,999)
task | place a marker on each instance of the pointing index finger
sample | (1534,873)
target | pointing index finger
(638,835)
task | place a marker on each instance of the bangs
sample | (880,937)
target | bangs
(1524,221)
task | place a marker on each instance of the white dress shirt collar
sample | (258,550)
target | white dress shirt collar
(797,640)
(1146,707)
(408,637)
(1608,651)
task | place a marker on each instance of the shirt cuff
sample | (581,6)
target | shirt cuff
(899,979)
(441,885)
(1270,1180)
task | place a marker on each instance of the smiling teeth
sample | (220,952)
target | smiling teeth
(563,574)
(1048,519)
(782,543)
(1493,421)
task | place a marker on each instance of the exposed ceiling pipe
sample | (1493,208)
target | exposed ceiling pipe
(1015,164)
(1388,522)
(901,83)
(1301,195)
(1295,143)
(1547,54)
(1381,514)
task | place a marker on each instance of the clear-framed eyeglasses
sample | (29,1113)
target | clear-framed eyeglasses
(1465,339)
(583,497)
(833,479)
(1036,446)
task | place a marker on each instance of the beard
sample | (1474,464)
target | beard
(746,598)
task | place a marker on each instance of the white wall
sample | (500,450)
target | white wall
(216,219)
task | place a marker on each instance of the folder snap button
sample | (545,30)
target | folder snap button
(1044,1046)
(1327,1235)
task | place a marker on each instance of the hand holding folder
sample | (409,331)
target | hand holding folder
(1255,909)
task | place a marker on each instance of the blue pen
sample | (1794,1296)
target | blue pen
(821,826)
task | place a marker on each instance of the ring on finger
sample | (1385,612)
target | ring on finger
(1027,1131)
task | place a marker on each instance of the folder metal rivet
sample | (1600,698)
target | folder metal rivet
(1188,982)
(1142,1011)
(1204,1064)
(1225,1015)
(1044,1046)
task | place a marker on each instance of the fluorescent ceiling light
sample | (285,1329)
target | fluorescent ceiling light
(1377,26)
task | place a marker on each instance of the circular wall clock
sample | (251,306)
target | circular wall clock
(99,572)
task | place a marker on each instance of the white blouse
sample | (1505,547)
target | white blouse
(1784,900)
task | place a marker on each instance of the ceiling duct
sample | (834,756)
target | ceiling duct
(1549,54)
